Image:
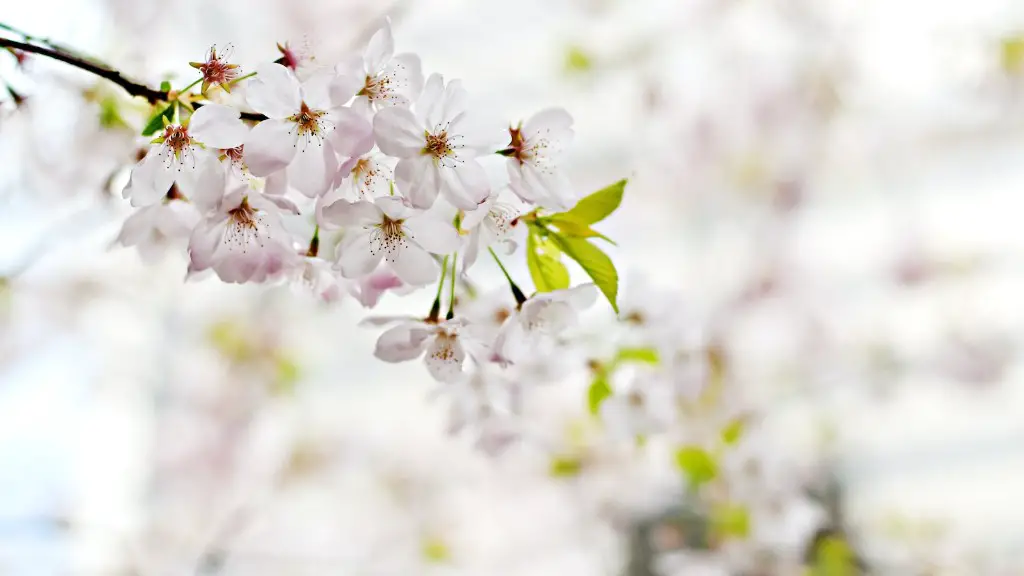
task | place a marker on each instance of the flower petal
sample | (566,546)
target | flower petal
(270,147)
(465,185)
(432,234)
(418,178)
(398,133)
(380,49)
(550,123)
(402,343)
(275,91)
(405,76)
(393,207)
(356,256)
(445,358)
(217,126)
(414,266)
(313,168)
(352,134)
(345,213)
(205,183)
(430,98)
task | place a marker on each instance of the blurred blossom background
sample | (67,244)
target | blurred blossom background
(828,190)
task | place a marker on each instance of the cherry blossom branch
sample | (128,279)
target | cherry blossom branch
(133,88)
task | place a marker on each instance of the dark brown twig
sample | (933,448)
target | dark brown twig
(132,87)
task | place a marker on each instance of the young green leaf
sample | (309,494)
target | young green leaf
(576,229)
(156,122)
(545,264)
(697,464)
(595,263)
(565,466)
(639,355)
(597,206)
(165,86)
(731,521)
(598,392)
(733,431)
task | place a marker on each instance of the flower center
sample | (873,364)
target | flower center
(502,217)
(177,140)
(438,145)
(376,87)
(387,237)
(243,229)
(216,69)
(310,124)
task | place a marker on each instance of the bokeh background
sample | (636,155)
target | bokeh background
(831,188)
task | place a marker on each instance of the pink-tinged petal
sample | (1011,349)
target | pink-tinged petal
(465,185)
(414,265)
(315,90)
(516,184)
(394,207)
(472,218)
(387,320)
(218,126)
(453,103)
(419,179)
(357,257)
(139,225)
(313,168)
(141,188)
(276,184)
(282,203)
(345,213)
(581,297)
(203,244)
(379,50)
(270,147)
(205,184)
(398,133)
(553,121)
(362,106)
(432,234)
(372,287)
(471,251)
(274,91)
(445,358)
(405,74)
(402,343)
(178,219)
(430,98)
(352,134)
(550,188)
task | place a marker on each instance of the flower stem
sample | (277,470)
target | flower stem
(314,243)
(435,308)
(186,88)
(451,295)
(516,292)
(240,78)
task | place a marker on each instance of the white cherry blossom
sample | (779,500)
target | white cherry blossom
(390,80)
(307,127)
(182,155)
(541,318)
(437,146)
(534,152)
(491,223)
(369,289)
(243,240)
(364,177)
(388,229)
(445,343)
(154,228)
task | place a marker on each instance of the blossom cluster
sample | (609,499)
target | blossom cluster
(388,160)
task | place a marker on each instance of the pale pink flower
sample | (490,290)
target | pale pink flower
(154,228)
(493,222)
(437,145)
(182,154)
(444,344)
(390,80)
(387,229)
(534,153)
(243,240)
(307,127)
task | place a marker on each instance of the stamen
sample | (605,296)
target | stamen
(244,227)
(311,125)
(388,237)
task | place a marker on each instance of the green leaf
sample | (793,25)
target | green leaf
(576,60)
(640,355)
(598,392)
(595,207)
(565,466)
(156,122)
(576,229)
(545,264)
(833,557)
(110,114)
(697,464)
(733,431)
(1011,53)
(165,86)
(731,521)
(595,263)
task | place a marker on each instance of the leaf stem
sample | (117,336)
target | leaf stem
(435,308)
(516,292)
(186,88)
(451,295)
